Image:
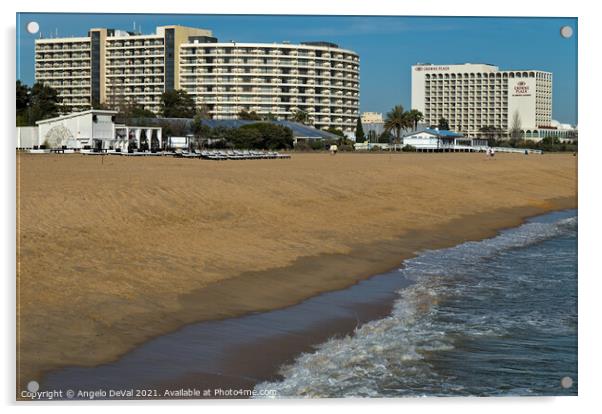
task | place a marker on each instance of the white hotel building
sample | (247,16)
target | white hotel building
(474,96)
(111,66)
(318,77)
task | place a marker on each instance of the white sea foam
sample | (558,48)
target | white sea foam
(390,356)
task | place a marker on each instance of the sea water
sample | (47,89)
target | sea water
(495,317)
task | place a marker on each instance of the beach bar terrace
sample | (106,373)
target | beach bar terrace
(435,140)
(88,130)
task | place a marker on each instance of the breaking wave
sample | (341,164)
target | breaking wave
(477,320)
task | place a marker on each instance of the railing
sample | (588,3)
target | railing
(483,148)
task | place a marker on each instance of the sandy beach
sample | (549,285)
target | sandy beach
(115,251)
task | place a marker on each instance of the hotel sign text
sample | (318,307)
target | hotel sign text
(521,89)
(431,68)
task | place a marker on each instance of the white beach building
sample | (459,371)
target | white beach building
(93,129)
(433,140)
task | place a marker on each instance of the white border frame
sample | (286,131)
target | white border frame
(589,193)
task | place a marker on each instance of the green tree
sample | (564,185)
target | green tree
(22,101)
(177,104)
(396,121)
(199,130)
(248,116)
(218,137)
(247,137)
(336,131)
(131,112)
(372,136)
(492,134)
(139,111)
(443,124)
(261,135)
(384,138)
(36,103)
(415,116)
(269,117)
(276,136)
(359,131)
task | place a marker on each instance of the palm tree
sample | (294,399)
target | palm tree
(415,116)
(396,120)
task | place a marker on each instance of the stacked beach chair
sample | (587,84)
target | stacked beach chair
(216,155)
(222,155)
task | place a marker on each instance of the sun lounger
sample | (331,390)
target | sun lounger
(221,155)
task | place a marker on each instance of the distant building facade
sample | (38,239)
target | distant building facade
(476,96)
(372,117)
(373,121)
(112,66)
(564,132)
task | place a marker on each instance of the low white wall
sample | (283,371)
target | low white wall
(365,146)
(422,141)
(27,137)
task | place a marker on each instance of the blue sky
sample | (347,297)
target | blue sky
(387,45)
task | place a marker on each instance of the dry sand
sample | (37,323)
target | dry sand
(114,252)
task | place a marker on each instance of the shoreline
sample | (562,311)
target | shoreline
(364,260)
(271,354)
(148,246)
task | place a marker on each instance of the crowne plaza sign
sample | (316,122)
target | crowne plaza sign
(430,68)
(521,89)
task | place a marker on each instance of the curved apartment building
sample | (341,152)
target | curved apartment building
(113,66)
(318,78)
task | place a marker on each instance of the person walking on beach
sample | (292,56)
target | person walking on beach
(492,152)
(488,152)
(333,150)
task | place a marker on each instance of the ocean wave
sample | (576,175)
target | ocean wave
(393,356)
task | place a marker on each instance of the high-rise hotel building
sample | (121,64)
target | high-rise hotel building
(112,66)
(476,96)
(316,77)
(109,65)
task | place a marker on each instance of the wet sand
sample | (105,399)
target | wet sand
(112,254)
(238,352)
